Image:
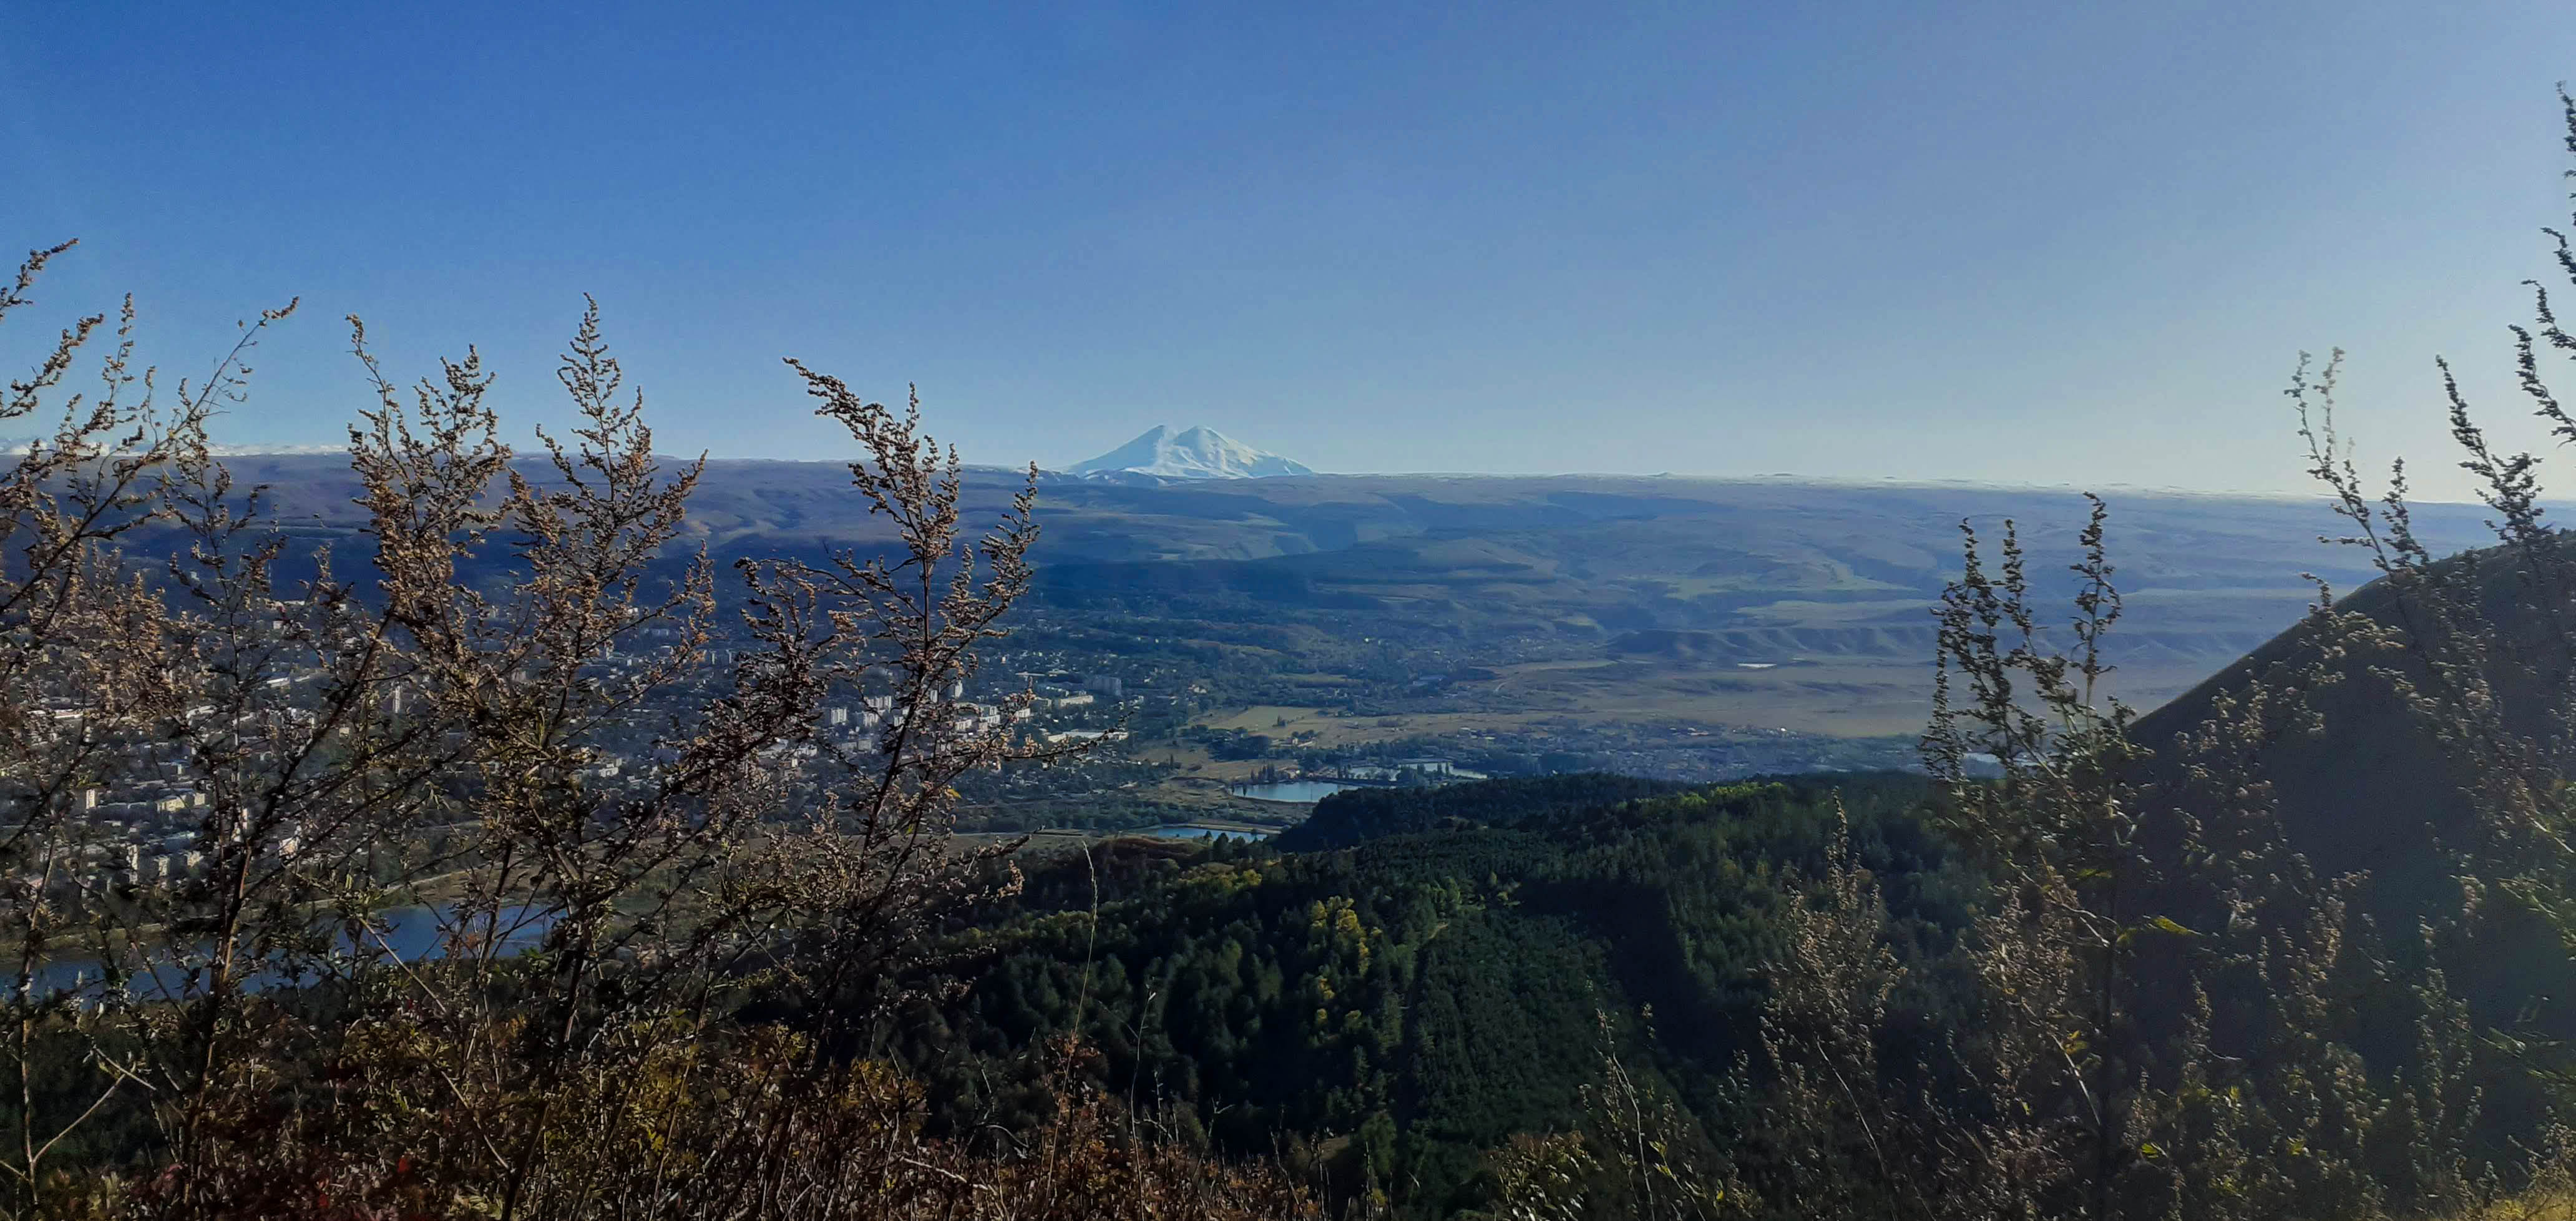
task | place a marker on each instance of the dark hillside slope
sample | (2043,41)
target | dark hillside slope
(2374,793)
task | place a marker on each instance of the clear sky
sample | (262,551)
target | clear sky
(2020,242)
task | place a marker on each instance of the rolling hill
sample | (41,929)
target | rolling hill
(2369,791)
(1748,572)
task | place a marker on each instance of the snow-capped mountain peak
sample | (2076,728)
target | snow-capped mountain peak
(1198,453)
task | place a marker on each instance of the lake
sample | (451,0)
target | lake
(1299,792)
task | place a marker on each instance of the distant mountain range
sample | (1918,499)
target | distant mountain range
(20,445)
(1199,453)
(1690,582)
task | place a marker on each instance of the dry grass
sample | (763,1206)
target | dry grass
(1265,718)
(1836,697)
(2553,1204)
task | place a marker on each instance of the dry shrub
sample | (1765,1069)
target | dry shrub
(608,785)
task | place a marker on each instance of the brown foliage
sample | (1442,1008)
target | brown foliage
(410,737)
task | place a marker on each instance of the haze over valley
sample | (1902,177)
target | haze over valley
(1627,609)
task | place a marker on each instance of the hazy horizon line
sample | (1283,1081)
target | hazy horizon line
(1781,477)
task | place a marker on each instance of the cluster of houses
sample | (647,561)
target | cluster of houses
(869,716)
(148,823)
(151,830)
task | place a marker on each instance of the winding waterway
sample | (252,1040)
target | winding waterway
(411,934)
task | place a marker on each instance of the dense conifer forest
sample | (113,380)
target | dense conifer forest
(1401,1005)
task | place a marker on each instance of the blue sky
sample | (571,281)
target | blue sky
(2018,242)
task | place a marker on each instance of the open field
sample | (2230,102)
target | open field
(1267,718)
(1837,697)
(1849,697)
(1334,729)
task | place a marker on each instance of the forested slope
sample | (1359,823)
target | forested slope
(1394,1008)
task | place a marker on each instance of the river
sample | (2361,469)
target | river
(412,934)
